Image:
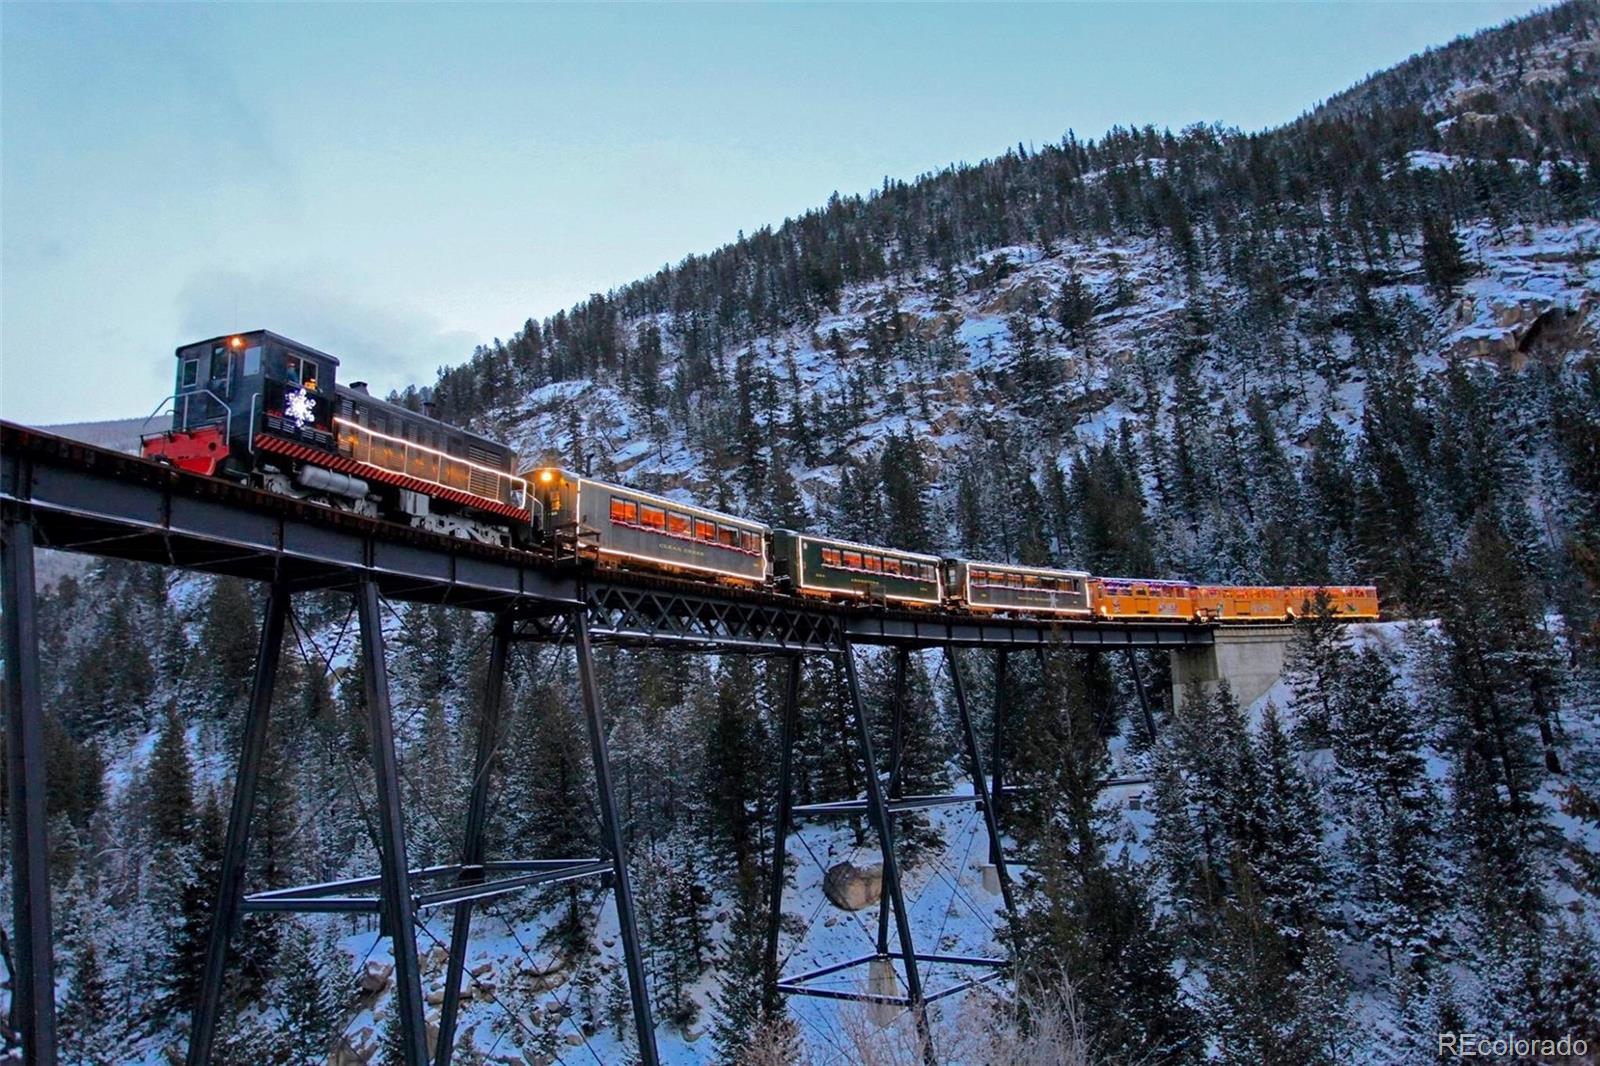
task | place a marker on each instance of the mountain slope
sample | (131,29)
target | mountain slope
(1216,304)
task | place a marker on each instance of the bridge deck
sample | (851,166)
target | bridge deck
(81,498)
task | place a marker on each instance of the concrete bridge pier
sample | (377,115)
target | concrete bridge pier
(1249,658)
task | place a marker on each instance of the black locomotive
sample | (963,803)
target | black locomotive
(264,409)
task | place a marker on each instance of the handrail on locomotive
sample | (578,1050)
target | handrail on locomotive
(183,425)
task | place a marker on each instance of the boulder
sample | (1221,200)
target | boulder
(354,1052)
(344,1054)
(852,888)
(547,980)
(374,978)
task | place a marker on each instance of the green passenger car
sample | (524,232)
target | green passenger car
(822,566)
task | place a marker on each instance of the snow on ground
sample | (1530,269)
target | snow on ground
(950,913)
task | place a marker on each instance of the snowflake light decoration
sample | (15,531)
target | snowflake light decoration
(300,407)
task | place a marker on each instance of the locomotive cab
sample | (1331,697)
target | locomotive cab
(228,388)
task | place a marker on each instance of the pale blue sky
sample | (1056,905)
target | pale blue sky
(396,183)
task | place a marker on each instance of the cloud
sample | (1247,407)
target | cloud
(388,346)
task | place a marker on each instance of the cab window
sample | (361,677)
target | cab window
(300,371)
(219,363)
(191,373)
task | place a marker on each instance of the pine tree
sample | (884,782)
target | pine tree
(311,968)
(171,784)
(786,510)
(87,1009)
(228,643)
(201,872)
(1315,664)
(684,928)
(741,1019)
(112,677)
(926,747)
(731,769)
(1261,1005)
(1572,978)
(1491,695)
(1084,920)
(904,477)
(548,774)
(1444,260)
(1386,807)
(619,1013)
(1221,784)
(1288,864)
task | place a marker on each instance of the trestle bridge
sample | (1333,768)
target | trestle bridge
(72,497)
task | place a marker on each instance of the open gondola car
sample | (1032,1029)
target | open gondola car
(1357,603)
(1242,603)
(823,566)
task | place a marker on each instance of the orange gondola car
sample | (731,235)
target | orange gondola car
(1122,597)
(1357,603)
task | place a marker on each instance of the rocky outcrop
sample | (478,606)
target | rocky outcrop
(374,978)
(852,888)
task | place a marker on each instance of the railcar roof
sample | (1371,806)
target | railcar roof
(406,412)
(1020,569)
(665,501)
(320,354)
(1158,582)
(879,548)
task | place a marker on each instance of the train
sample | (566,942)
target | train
(259,408)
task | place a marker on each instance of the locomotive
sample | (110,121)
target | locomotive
(263,409)
(260,408)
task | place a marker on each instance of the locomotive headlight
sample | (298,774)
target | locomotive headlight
(546,476)
(236,342)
